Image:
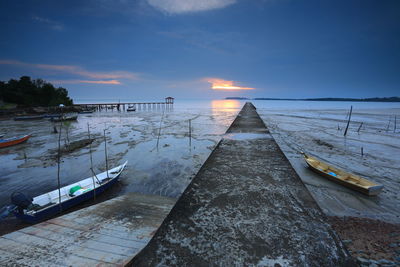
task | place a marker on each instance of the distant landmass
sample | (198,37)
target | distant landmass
(237,98)
(372,99)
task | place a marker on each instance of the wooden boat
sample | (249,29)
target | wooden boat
(349,180)
(86,112)
(131,108)
(65,118)
(47,205)
(29,118)
(13,141)
(52,116)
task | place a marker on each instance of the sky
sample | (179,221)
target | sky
(204,49)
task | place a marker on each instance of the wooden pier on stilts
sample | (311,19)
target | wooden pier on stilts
(123,106)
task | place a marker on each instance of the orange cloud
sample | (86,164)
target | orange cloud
(220,84)
(115,82)
(79,71)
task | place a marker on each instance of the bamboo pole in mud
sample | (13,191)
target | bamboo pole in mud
(159,130)
(91,163)
(387,128)
(359,128)
(190,132)
(395,123)
(105,151)
(348,122)
(58,168)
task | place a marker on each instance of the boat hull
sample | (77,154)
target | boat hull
(14,141)
(371,190)
(29,118)
(74,118)
(55,209)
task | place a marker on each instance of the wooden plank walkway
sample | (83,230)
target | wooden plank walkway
(106,234)
(245,207)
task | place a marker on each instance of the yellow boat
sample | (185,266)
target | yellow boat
(349,180)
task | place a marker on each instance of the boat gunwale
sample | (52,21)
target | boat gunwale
(369,188)
(68,198)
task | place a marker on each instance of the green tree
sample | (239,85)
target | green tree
(28,92)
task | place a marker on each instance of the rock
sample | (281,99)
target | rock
(362,261)
(393,245)
(347,241)
(385,261)
(397,259)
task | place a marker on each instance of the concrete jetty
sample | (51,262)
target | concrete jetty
(246,206)
(107,234)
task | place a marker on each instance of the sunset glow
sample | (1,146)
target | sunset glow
(114,82)
(220,84)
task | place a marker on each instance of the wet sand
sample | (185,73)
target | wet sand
(32,167)
(366,238)
(316,132)
(369,226)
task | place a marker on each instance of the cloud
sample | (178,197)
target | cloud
(188,6)
(50,23)
(110,77)
(113,82)
(220,84)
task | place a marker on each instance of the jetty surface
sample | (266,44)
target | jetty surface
(246,206)
(106,234)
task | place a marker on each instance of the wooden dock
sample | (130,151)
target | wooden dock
(245,207)
(106,234)
(166,105)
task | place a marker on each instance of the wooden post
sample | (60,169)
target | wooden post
(159,130)
(190,132)
(359,128)
(58,169)
(395,123)
(105,151)
(387,128)
(362,151)
(348,122)
(91,163)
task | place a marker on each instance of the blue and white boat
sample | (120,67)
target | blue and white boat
(47,205)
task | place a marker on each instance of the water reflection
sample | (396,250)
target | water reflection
(225,105)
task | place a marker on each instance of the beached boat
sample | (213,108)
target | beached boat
(29,118)
(52,116)
(65,118)
(131,108)
(47,205)
(339,176)
(13,140)
(86,112)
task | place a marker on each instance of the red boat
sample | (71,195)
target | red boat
(13,141)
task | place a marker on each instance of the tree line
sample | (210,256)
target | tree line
(31,93)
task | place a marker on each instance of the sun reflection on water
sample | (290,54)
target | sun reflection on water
(225,104)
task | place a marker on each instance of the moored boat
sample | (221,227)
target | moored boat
(344,178)
(29,118)
(131,108)
(86,112)
(65,118)
(47,205)
(13,140)
(52,116)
